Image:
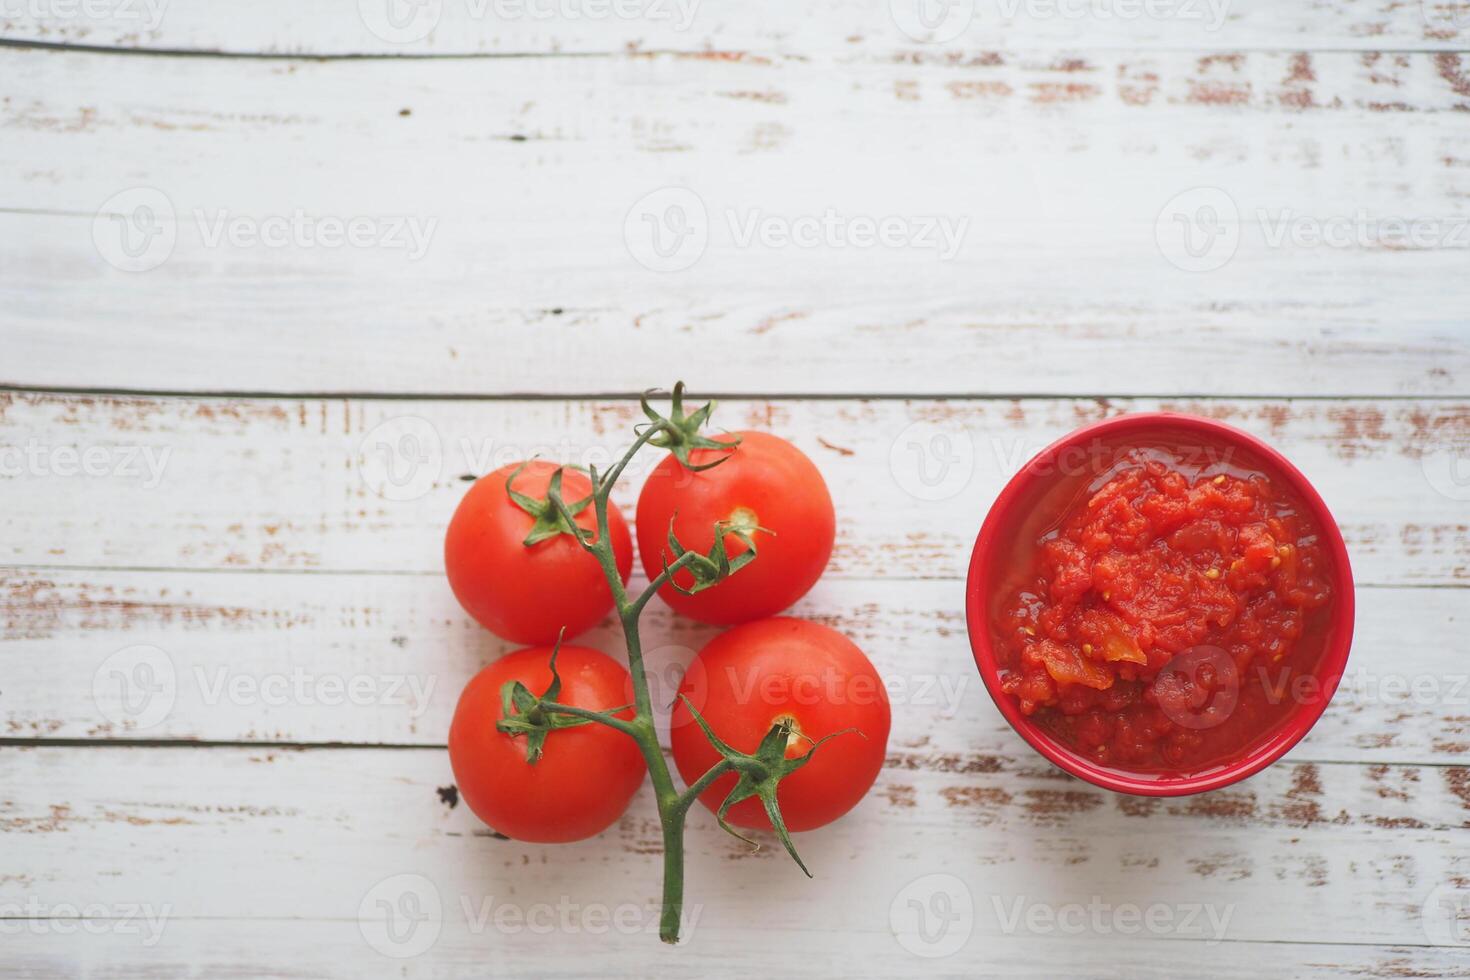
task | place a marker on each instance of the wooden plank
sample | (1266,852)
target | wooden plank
(291,950)
(279,558)
(1047,172)
(1351,850)
(374,659)
(308,484)
(844,29)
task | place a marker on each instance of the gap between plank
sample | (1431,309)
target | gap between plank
(23,44)
(163,52)
(412,573)
(532,396)
(42,742)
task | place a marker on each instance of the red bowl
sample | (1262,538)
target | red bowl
(1013,505)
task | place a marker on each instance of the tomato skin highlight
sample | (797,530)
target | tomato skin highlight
(766,478)
(586,775)
(747,678)
(526,595)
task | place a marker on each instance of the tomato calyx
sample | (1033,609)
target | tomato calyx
(551,519)
(761,772)
(711,569)
(525,714)
(679,433)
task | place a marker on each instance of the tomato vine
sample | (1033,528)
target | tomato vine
(537,717)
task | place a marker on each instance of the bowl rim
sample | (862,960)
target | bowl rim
(1295,726)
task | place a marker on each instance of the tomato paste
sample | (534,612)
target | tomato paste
(1159,621)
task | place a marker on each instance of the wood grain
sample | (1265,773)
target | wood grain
(1351,850)
(223,478)
(357,659)
(333,949)
(1061,168)
(279,484)
(847,28)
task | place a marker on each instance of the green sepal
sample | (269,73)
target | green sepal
(552,517)
(521,711)
(680,433)
(712,569)
(759,775)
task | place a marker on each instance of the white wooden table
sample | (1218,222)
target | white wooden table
(276,277)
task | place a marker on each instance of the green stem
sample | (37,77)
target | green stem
(641,700)
(612,475)
(611,721)
(673,901)
(759,773)
(672,808)
(703,782)
(635,608)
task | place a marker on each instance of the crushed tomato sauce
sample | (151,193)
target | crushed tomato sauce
(1165,557)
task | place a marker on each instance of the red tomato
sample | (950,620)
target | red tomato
(526,595)
(749,678)
(586,775)
(765,481)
